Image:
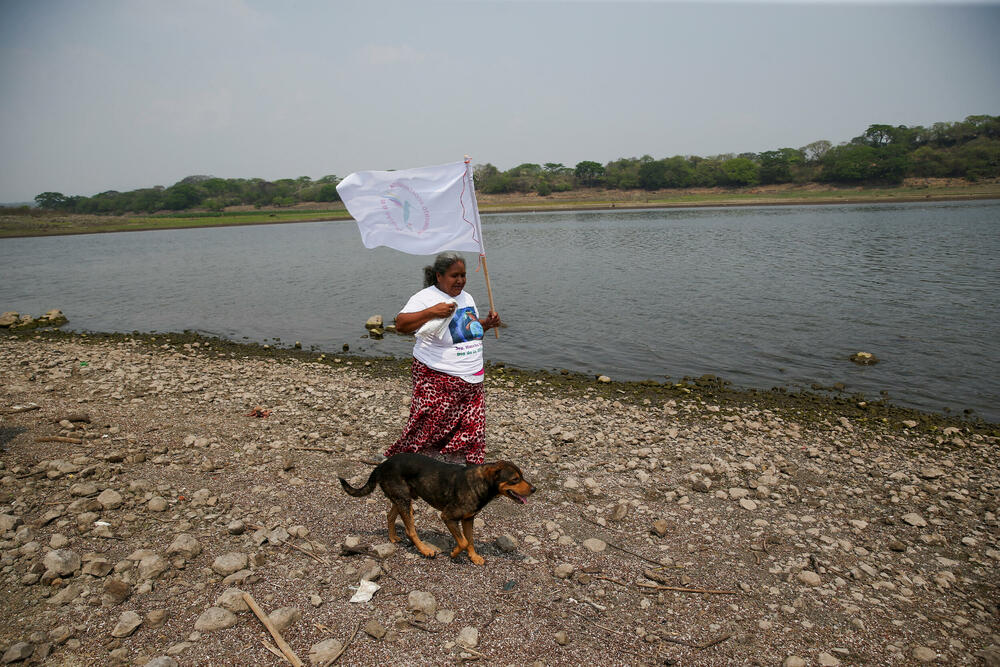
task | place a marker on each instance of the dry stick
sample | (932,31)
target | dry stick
(272,649)
(706,591)
(715,641)
(421,627)
(289,655)
(589,620)
(22,408)
(59,438)
(612,580)
(316,449)
(615,546)
(308,553)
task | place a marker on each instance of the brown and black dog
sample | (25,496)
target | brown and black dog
(459,491)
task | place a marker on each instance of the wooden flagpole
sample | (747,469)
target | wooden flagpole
(482,247)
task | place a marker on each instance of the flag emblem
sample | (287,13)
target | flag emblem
(405,209)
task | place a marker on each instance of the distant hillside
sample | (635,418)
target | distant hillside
(881,155)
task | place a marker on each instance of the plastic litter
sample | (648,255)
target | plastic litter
(366,589)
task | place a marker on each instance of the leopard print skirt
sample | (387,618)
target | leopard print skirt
(447,417)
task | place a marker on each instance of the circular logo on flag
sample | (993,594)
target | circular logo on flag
(405,209)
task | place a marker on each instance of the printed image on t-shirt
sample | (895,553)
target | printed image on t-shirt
(465,327)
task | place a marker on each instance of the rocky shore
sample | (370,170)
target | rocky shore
(148,483)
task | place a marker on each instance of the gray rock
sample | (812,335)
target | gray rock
(127,624)
(325,651)
(98,567)
(17,652)
(562,638)
(384,550)
(506,543)
(285,617)
(914,519)
(110,499)
(215,618)
(117,590)
(468,636)
(924,654)
(153,566)
(9,522)
(66,595)
(827,660)
(156,618)
(809,578)
(84,490)
(595,545)
(162,661)
(375,629)
(232,599)
(793,661)
(229,563)
(421,601)
(157,504)
(564,571)
(184,545)
(63,562)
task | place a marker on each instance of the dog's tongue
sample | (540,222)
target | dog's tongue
(521,499)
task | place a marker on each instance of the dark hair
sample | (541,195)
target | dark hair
(441,264)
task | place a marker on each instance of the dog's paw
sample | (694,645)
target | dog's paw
(456,552)
(429,552)
(477,559)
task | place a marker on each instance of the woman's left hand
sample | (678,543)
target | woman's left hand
(490,321)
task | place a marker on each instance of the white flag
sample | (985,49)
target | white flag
(419,211)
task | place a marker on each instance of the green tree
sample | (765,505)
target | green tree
(848,163)
(589,174)
(51,201)
(815,151)
(741,171)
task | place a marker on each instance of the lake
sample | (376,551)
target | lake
(761,296)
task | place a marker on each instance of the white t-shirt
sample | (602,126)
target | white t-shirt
(459,349)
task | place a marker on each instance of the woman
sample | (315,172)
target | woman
(447,411)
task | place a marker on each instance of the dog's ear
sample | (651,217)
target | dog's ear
(508,472)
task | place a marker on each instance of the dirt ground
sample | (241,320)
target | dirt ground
(137,490)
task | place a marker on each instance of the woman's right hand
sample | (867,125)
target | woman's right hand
(410,322)
(441,310)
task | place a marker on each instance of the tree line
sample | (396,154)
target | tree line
(883,154)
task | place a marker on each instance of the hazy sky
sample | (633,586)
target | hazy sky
(123,94)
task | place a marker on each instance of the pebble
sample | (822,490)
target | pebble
(229,563)
(232,599)
(421,601)
(215,618)
(914,519)
(595,545)
(285,617)
(564,571)
(809,578)
(468,637)
(562,638)
(375,629)
(63,562)
(325,651)
(924,654)
(17,652)
(127,624)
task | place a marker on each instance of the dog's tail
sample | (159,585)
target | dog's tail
(361,491)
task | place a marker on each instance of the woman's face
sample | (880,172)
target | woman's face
(452,281)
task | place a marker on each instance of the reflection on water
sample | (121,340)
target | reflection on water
(763,296)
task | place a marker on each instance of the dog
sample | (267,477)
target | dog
(458,491)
